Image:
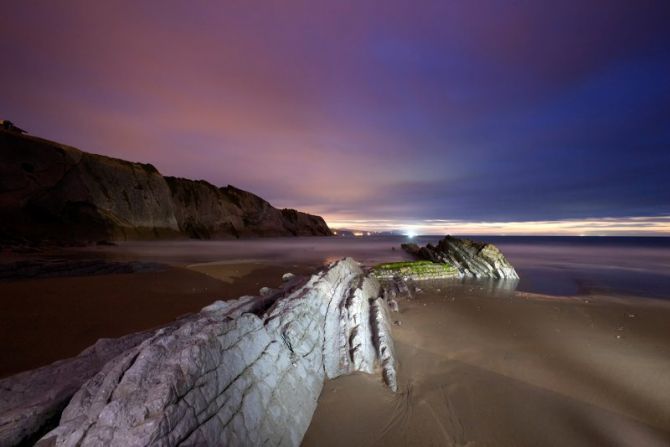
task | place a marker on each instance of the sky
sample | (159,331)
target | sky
(497,117)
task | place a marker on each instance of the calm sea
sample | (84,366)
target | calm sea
(580,265)
(550,265)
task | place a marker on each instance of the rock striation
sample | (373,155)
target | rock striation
(243,372)
(53,192)
(417,270)
(470,258)
(31,402)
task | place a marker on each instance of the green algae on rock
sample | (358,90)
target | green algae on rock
(472,259)
(415,269)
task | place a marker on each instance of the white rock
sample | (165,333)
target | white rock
(226,377)
(29,400)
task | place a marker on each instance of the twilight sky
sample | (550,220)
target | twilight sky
(468,116)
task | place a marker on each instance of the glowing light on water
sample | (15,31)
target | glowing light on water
(603,226)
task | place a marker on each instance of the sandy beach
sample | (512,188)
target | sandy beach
(511,369)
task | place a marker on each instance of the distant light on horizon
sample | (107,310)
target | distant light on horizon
(607,226)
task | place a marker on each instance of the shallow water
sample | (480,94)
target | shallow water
(635,266)
(548,265)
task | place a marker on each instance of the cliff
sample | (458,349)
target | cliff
(204,211)
(242,372)
(49,191)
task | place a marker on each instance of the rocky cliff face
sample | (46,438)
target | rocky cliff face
(243,372)
(470,258)
(49,191)
(204,211)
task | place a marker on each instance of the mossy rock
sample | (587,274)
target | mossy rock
(414,270)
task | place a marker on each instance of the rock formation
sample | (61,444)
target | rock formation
(31,402)
(243,372)
(49,191)
(204,211)
(418,270)
(471,258)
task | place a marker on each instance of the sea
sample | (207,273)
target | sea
(556,265)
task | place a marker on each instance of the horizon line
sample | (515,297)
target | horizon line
(632,226)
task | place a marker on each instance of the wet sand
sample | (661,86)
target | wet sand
(48,319)
(511,369)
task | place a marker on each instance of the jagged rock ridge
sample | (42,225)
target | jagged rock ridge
(471,258)
(204,211)
(244,372)
(49,191)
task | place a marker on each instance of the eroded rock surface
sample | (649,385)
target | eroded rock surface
(471,258)
(244,372)
(31,402)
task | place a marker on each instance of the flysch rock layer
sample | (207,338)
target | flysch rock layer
(31,402)
(246,372)
(471,258)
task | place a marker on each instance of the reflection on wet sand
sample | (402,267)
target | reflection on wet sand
(491,287)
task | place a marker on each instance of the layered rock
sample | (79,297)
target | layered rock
(204,211)
(417,270)
(31,402)
(244,372)
(471,258)
(49,191)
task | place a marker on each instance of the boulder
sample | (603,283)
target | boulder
(287,276)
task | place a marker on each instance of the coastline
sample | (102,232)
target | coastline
(476,363)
